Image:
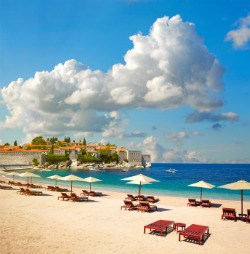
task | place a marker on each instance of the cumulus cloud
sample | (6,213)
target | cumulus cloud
(84,134)
(240,36)
(136,134)
(150,145)
(177,137)
(212,117)
(167,68)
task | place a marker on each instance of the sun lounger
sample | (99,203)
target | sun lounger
(248,216)
(129,205)
(95,193)
(11,183)
(131,197)
(33,193)
(228,213)
(74,197)
(152,199)
(144,206)
(22,191)
(4,187)
(1,181)
(20,184)
(50,188)
(84,193)
(31,185)
(161,226)
(193,202)
(64,196)
(60,189)
(196,232)
(141,197)
(205,203)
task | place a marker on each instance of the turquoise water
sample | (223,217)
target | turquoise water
(170,184)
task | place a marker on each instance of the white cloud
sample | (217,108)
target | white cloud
(240,36)
(150,145)
(167,68)
(177,136)
(84,134)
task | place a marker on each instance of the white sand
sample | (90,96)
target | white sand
(42,224)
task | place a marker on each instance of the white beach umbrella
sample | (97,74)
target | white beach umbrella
(140,180)
(239,185)
(13,174)
(91,180)
(28,174)
(71,178)
(55,177)
(202,184)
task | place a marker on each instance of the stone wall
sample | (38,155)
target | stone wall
(18,158)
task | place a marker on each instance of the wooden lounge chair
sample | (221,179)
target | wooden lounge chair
(131,197)
(205,203)
(20,184)
(152,199)
(141,197)
(1,181)
(161,226)
(196,232)
(129,205)
(60,189)
(50,188)
(22,191)
(74,197)
(248,216)
(228,213)
(5,187)
(95,193)
(193,202)
(31,185)
(84,193)
(64,196)
(11,183)
(33,193)
(144,206)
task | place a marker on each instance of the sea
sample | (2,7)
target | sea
(170,184)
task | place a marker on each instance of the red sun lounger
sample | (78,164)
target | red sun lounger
(196,232)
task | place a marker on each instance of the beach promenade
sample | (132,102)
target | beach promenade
(42,225)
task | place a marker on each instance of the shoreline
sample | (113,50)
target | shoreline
(43,224)
(124,190)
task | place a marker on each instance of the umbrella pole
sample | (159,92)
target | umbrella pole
(139,189)
(201,194)
(90,186)
(56,182)
(241,192)
(71,187)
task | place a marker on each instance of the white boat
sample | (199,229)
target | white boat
(171,170)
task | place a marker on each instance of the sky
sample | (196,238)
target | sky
(168,77)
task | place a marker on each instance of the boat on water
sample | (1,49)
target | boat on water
(171,170)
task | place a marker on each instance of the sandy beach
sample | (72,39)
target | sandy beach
(42,224)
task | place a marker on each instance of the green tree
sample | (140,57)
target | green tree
(38,141)
(35,162)
(67,139)
(6,144)
(84,142)
(15,143)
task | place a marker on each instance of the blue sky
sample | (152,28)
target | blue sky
(170,78)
